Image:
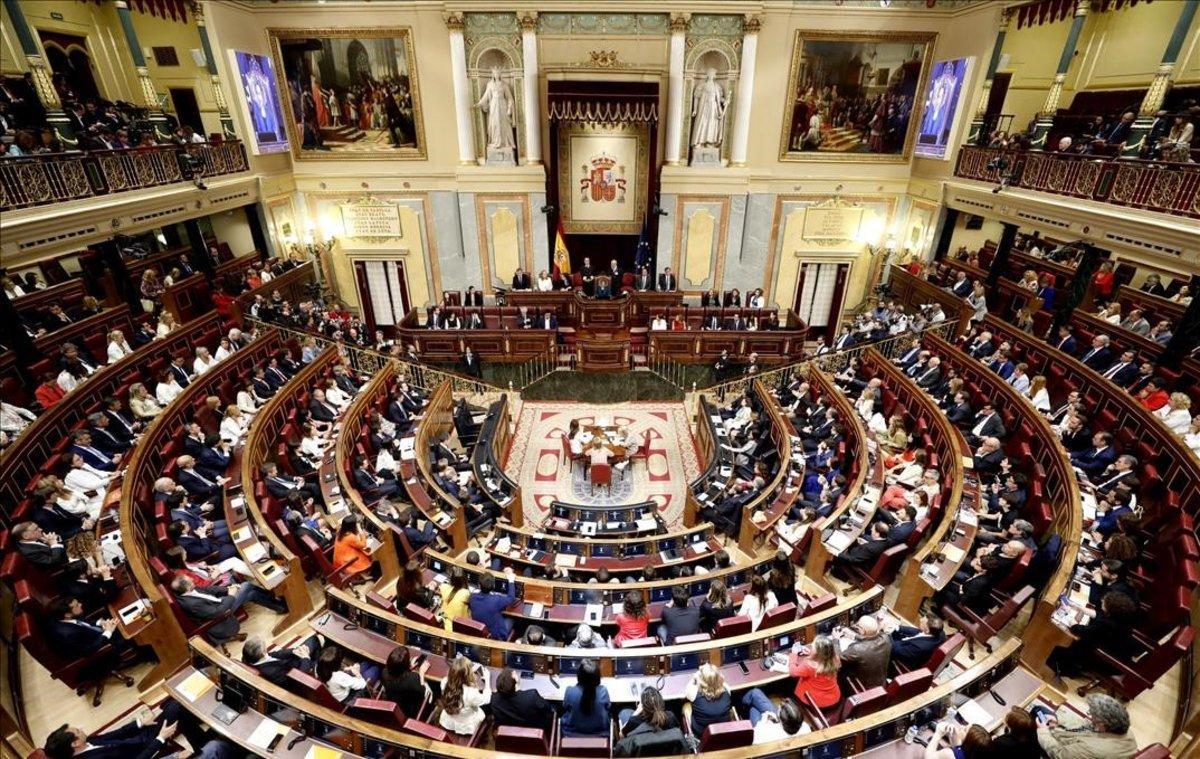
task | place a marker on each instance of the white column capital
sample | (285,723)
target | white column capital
(752,25)
(679,22)
(528,21)
(454,20)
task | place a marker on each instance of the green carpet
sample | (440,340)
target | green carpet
(602,387)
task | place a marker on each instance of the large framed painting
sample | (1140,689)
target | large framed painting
(350,93)
(259,96)
(854,96)
(602,177)
(942,106)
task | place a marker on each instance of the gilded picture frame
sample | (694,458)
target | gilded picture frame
(406,90)
(853,137)
(627,188)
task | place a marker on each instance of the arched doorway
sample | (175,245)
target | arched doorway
(68,56)
(358,62)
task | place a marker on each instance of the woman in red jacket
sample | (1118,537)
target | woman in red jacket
(816,673)
(49,392)
(633,622)
(1105,281)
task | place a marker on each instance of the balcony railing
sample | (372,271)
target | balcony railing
(1172,188)
(56,177)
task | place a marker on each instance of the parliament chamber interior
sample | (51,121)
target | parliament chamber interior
(434,378)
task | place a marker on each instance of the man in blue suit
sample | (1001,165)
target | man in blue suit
(1095,459)
(370,485)
(70,630)
(92,455)
(214,458)
(1097,356)
(487,606)
(1124,370)
(912,646)
(199,483)
(1064,340)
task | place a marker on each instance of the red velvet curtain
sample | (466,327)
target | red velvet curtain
(1049,11)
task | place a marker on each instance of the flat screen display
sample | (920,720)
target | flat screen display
(943,100)
(260,98)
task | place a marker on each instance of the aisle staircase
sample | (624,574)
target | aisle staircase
(342,134)
(842,139)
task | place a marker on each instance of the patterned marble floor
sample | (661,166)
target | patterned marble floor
(536,458)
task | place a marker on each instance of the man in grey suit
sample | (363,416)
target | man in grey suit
(866,658)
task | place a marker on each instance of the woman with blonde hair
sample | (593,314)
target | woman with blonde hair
(141,403)
(465,691)
(118,348)
(708,696)
(172,277)
(233,424)
(151,288)
(895,441)
(166,324)
(717,605)
(1177,414)
(815,668)
(1037,394)
(1110,313)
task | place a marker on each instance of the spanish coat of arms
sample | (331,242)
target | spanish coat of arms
(603,182)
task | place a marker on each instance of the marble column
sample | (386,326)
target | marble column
(745,93)
(149,95)
(529,88)
(980,131)
(679,23)
(1045,119)
(213,76)
(1157,91)
(462,94)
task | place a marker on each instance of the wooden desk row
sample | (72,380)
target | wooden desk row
(190,295)
(262,443)
(488,458)
(306,726)
(372,632)
(157,627)
(914,292)
(576,309)
(523,548)
(446,511)
(612,521)
(292,284)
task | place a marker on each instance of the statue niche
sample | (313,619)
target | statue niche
(708,108)
(497,106)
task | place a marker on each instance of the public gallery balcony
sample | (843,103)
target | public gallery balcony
(1165,187)
(57,177)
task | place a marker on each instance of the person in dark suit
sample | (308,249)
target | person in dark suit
(1064,340)
(121,423)
(70,630)
(474,321)
(1097,356)
(201,545)
(216,455)
(73,577)
(179,369)
(1123,371)
(1110,630)
(321,410)
(864,553)
(205,606)
(521,280)
(987,424)
(667,282)
(371,486)
(1110,576)
(981,347)
(1095,459)
(680,618)
(111,441)
(470,365)
(644,281)
(912,646)
(960,413)
(259,385)
(547,320)
(417,538)
(92,455)
(198,482)
(929,377)
(962,286)
(143,335)
(988,455)
(614,271)
(135,741)
(195,515)
(56,520)
(274,374)
(844,340)
(519,708)
(274,666)
(905,521)
(281,486)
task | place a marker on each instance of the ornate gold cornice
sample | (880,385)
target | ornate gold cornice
(528,21)
(679,22)
(454,21)
(753,25)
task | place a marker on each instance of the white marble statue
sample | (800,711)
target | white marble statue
(497,105)
(708,113)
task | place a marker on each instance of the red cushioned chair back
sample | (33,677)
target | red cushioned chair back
(732,626)
(778,616)
(585,745)
(869,701)
(425,730)
(521,740)
(723,735)
(419,614)
(468,626)
(909,684)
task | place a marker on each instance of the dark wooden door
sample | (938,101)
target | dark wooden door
(187,110)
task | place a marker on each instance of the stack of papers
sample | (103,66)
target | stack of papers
(565,559)
(195,686)
(254,552)
(266,732)
(537,609)
(838,542)
(953,553)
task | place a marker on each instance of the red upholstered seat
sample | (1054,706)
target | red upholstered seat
(725,735)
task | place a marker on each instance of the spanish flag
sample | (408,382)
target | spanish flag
(562,259)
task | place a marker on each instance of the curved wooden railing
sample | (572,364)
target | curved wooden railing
(158,627)
(1052,477)
(259,448)
(437,419)
(913,291)
(343,459)
(855,437)
(776,498)
(1172,188)
(998,672)
(57,177)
